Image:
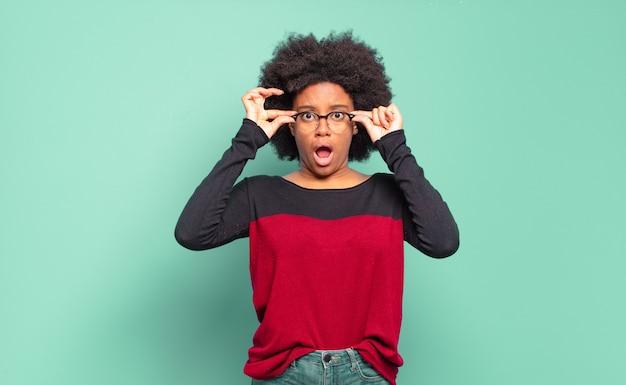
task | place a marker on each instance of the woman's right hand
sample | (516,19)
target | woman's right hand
(268,120)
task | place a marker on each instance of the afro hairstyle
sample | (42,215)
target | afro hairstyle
(302,60)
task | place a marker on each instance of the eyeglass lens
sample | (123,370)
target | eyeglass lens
(309,120)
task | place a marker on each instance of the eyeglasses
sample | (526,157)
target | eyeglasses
(308,121)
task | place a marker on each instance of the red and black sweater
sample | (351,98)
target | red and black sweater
(326,265)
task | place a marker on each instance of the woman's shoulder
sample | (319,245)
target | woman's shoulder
(263,180)
(383,178)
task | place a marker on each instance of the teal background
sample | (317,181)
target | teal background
(112,112)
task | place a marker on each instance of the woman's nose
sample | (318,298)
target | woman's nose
(322,127)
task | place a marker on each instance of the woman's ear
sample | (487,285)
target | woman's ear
(355,129)
(291,128)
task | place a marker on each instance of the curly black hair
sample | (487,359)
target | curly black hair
(301,61)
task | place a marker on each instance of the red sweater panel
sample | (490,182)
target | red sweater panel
(344,289)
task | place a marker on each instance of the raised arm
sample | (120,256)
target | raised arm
(428,223)
(217,213)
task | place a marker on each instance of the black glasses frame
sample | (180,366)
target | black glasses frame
(319,117)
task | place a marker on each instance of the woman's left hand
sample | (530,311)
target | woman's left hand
(380,121)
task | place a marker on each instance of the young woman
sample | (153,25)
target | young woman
(326,241)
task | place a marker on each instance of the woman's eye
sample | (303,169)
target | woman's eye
(337,115)
(308,117)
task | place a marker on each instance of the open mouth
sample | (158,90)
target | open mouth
(323,152)
(323,155)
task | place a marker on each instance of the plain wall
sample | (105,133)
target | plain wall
(112,112)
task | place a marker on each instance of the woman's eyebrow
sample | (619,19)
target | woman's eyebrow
(333,107)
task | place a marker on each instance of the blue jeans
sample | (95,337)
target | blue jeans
(333,367)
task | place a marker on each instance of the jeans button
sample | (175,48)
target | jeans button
(327,357)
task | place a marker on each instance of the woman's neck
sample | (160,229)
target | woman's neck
(345,179)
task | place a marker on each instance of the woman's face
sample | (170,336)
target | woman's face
(323,151)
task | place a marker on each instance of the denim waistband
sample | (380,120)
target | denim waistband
(332,357)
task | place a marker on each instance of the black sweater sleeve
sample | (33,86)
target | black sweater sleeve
(206,220)
(428,223)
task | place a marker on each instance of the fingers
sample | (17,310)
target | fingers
(271,126)
(258,95)
(274,114)
(363,117)
(282,119)
(380,120)
(381,116)
(366,118)
(254,103)
(394,117)
(260,92)
(267,92)
(384,116)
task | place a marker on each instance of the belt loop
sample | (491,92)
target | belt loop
(352,355)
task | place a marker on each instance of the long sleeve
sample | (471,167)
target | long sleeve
(207,220)
(428,223)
